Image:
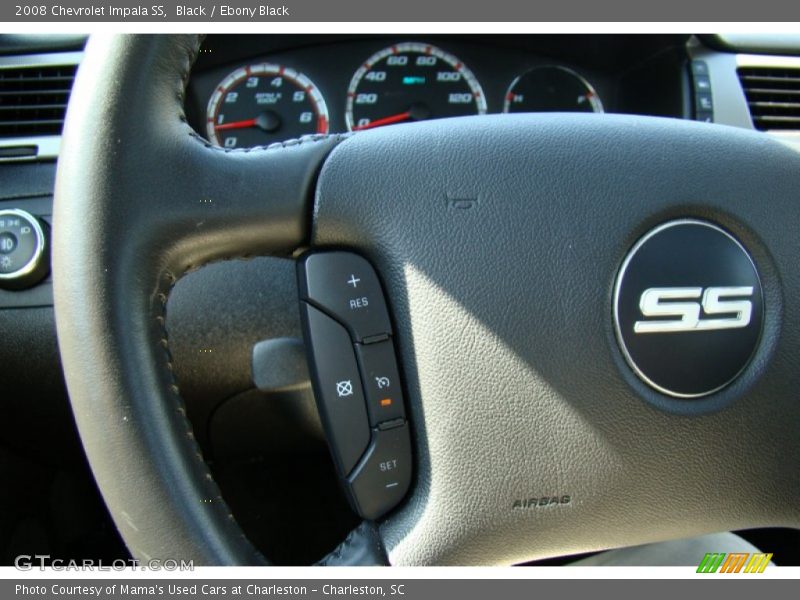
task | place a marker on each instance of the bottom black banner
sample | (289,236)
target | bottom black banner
(405,589)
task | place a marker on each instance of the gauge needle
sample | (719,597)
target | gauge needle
(237,124)
(385,121)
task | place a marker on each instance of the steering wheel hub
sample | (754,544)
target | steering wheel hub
(688,308)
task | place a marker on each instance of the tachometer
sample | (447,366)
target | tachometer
(264,103)
(411,82)
(551,89)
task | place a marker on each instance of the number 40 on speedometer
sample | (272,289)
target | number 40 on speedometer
(411,82)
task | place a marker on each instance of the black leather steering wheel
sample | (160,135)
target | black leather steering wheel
(498,240)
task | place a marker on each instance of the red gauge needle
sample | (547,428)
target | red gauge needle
(385,121)
(237,125)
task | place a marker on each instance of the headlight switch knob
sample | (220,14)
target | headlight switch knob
(24,255)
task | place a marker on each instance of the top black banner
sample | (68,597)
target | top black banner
(264,11)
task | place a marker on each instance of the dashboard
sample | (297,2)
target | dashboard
(752,86)
(250,91)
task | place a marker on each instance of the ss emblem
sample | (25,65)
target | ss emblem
(684,308)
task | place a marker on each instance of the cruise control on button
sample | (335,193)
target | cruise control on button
(381,382)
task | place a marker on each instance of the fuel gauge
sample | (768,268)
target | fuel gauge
(551,89)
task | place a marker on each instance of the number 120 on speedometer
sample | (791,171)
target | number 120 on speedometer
(411,82)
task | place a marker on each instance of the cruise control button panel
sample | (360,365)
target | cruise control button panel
(345,286)
(356,378)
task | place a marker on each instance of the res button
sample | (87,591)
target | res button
(346,286)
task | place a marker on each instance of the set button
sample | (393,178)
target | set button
(384,476)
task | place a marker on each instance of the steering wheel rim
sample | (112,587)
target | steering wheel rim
(141,199)
(164,501)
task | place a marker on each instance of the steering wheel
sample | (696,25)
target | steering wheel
(505,245)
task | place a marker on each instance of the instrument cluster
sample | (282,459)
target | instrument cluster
(358,84)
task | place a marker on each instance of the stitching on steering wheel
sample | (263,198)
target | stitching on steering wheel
(337,552)
(174,389)
(167,281)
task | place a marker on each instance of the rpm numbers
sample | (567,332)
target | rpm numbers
(411,82)
(261,104)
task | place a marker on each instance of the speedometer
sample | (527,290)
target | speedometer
(265,103)
(411,82)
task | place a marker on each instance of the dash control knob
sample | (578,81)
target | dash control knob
(24,260)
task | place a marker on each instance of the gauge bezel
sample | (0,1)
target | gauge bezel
(418,48)
(33,262)
(265,69)
(595,100)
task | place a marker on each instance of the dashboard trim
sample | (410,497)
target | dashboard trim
(730,103)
